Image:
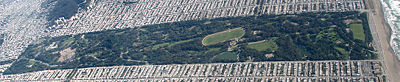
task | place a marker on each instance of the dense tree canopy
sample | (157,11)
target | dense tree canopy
(307,36)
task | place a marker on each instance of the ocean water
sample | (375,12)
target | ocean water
(391,9)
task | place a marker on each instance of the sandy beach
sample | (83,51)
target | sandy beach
(382,32)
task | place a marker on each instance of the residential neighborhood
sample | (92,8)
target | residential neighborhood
(292,71)
(22,25)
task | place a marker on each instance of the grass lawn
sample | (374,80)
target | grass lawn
(170,44)
(358,31)
(223,36)
(95,53)
(227,56)
(328,34)
(264,45)
(67,42)
(212,50)
(160,45)
(180,42)
(342,51)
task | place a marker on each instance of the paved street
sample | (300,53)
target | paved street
(22,25)
(363,70)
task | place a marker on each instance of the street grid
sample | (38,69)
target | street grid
(296,71)
(106,15)
(114,14)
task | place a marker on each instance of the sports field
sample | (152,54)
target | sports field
(223,36)
(358,31)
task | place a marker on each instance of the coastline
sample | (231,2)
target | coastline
(383,32)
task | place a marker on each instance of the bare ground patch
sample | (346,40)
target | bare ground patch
(66,55)
(349,21)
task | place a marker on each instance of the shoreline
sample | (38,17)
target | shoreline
(380,26)
(386,24)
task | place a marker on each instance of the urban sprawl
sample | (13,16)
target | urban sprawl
(22,25)
(292,71)
(114,14)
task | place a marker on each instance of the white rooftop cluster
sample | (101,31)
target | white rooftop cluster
(294,71)
(115,14)
(4,67)
(22,24)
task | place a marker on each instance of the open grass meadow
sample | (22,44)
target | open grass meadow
(342,51)
(358,31)
(257,38)
(226,56)
(269,45)
(223,36)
